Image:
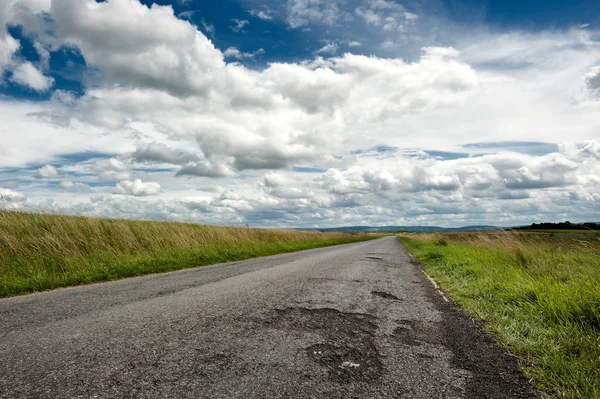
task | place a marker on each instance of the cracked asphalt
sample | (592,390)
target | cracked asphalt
(351,321)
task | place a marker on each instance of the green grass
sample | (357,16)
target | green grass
(540,296)
(41,252)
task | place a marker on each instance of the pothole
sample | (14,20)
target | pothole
(347,350)
(345,362)
(385,295)
(374,257)
(416,333)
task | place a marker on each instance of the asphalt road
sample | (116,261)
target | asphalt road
(352,321)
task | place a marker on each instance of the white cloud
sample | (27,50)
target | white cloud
(239,24)
(166,104)
(592,81)
(265,14)
(303,12)
(8,47)
(205,169)
(25,13)
(10,184)
(46,172)
(158,152)
(111,169)
(370,16)
(389,16)
(209,28)
(137,188)
(70,186)
(136,45)
(187,14)
(7,196)
(28,75)
(110,164)
(330,49)
(114,175)
(232,52)
(410,16)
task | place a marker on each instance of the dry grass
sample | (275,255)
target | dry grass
(540,295)
(40,251)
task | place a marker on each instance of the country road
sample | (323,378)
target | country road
(351,321)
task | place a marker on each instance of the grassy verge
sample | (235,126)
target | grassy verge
(539,295)
(40,252)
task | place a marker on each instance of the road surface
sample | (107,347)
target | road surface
(352,321)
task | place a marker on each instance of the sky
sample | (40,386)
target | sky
(302,113)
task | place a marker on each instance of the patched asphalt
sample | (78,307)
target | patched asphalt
(351,321)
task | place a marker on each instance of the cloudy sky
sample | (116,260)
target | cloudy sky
(302,113)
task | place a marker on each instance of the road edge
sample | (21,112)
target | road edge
(474,349)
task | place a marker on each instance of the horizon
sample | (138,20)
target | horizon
(302,113)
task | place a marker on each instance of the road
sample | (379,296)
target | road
(352,321)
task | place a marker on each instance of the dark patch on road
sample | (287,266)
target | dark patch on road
(385,295)
(347,351)
(374,257)
(494,373)
(416,333)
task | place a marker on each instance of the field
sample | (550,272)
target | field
(40,252)
(538,294)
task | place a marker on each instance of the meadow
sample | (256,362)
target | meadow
(538,294)
(41,251)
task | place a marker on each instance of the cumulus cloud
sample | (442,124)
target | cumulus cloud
(204,169)
(46,172)
(70,186)
(286,139)
(7,195)
(137,45)
(502,189)
(28,75)
(8,47)
(592,81)
(25,13)
(137,188)
(158,152)
(111,169)
(280,186)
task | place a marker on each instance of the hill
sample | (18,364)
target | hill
(409,229)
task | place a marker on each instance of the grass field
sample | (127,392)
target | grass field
(539,295)
(560,232)
(40,252)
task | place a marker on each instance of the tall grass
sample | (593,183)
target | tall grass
(41,252)
(539,295)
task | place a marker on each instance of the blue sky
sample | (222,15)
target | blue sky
(302,112)
(284,44)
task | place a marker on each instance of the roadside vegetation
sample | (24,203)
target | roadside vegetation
(538,294)
(40,252)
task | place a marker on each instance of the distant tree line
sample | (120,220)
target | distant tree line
(561,226)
